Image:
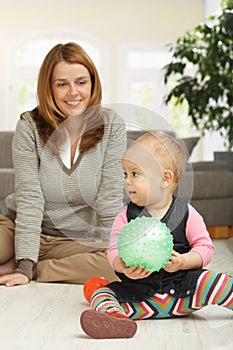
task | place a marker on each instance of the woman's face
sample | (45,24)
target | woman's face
(71,88)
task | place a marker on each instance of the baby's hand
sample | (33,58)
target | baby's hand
(131,272)
(176,262)
(136,273)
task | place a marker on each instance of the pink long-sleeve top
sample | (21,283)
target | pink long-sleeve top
(196,234)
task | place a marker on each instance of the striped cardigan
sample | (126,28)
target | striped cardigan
(52,199)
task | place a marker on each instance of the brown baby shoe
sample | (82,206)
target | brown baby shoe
(101,325)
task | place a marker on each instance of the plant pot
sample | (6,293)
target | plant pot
(227,156)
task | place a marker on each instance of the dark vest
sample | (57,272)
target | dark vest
(175,219)
(178,284)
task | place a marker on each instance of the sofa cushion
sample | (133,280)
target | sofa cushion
(217,165)
(215,211)
(6,138)
(190,143)
(207,184)
(7,182)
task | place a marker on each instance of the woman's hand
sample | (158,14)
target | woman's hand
(131,272)
(14,279)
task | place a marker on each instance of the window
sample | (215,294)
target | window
(141,83)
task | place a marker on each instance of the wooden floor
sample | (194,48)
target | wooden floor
(46,316)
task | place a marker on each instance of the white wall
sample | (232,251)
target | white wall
(212,141)
(211,6)
(109,22)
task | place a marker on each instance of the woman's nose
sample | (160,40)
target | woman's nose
(73,89)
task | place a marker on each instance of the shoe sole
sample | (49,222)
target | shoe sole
(99,325)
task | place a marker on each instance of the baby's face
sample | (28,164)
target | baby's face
(143,176)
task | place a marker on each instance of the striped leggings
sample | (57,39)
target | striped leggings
(213,288)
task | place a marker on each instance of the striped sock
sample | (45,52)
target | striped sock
(104,300)
(213,288)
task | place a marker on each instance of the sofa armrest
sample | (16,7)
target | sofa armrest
(7,182)
(6,138)
(219,165)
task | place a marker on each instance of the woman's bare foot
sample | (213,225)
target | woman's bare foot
(8,267)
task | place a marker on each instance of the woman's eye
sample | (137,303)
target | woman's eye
(125,175)
(81,82)
(135,174)
(61,84)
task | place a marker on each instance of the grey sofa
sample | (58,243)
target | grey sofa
(210,184)
(207,184)
(212,193)
(6,167)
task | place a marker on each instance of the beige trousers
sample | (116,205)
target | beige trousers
(60,258)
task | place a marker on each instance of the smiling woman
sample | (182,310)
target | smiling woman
(71,86)
(66,154)
(26,58)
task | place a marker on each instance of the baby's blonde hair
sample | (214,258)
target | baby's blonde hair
(168,151)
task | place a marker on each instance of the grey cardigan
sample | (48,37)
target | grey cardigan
(52,199)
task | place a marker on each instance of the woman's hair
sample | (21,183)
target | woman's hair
(47,115)
(168,151)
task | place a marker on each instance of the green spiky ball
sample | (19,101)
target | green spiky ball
(147,242)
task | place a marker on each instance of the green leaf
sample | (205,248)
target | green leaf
(209,89)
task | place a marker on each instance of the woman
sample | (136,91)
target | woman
(66,155)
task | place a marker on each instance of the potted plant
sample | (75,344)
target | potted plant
(202,71)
